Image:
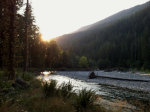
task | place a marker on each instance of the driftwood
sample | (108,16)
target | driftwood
(92,76)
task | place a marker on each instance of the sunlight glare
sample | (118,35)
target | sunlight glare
(46,37)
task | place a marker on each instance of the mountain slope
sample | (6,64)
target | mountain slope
(120,40)
(99,25)
(117,16)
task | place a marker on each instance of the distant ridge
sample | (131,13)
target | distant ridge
(117,16)
(102,23)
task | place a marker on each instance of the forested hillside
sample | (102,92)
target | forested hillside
(123,41)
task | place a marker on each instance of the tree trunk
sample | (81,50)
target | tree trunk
(11,57)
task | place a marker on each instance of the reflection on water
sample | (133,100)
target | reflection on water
(109,92)
(46,73)
(77,84)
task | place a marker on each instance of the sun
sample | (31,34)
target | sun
(46,38)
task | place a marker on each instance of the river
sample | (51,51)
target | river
(109,89)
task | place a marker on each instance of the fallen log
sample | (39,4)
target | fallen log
(124,79)
(92,76)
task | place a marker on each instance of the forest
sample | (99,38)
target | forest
(32,70)
(121,41)
(21,45)
(24,56)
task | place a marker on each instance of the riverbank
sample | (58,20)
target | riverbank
(34,98)
(133,85)
(109,95)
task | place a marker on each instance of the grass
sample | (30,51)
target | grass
(66,90)
(49,97)
(143,106)
(44,97)
(49,88)
(84,100)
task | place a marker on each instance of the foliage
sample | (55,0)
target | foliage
(83,62)
(41,54)
(84,100)
(49,88)
(64,59)
(122,42)
(52,54)
(66,90)
(27,75)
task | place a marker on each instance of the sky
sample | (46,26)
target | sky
(58,17)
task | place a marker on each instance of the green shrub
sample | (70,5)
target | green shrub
(66,90)
(3,75)
(84,100)
(27,76)
(49,88)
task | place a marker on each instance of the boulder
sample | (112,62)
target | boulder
(92,75)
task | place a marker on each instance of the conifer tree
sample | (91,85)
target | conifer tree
(26,44)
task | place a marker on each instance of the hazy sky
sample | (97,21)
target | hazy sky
(57,17)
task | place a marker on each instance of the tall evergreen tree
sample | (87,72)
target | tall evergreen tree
(26,44)
(11,39)
(4,24)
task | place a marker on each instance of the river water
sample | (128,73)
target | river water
(108,88)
